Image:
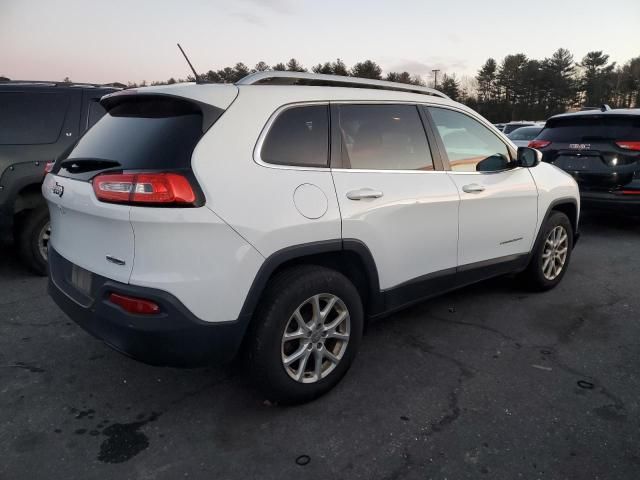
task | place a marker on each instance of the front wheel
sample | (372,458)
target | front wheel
(306,333)
(551,253)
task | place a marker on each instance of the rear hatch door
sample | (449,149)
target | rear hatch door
(93,235)
(150,133)
(588,147)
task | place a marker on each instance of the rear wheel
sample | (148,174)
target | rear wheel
(306,333)
(32,239)
(551,254)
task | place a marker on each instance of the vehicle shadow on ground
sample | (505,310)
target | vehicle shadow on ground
(422,372)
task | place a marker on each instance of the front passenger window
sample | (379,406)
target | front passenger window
(470,146)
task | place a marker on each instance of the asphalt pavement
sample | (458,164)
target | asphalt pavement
(491,381)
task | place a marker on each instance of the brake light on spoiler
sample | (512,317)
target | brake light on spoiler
(160,189)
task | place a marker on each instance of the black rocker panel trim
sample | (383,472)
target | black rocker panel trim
(383,302)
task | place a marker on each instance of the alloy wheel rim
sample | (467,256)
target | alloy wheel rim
(554,254)
(43,240)
(315,338)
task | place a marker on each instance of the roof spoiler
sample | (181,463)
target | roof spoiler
(210,113)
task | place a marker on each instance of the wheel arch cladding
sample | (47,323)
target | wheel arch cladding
(28,197)
(352,258)
(569,207)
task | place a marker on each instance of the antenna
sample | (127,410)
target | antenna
(190,66)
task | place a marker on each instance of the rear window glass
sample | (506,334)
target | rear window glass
(144,133)
(31,118)
(95,113)
(299,137)
(525,133)
(592,128)
(513,127)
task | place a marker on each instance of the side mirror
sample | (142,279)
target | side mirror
(494,163)
(528,157)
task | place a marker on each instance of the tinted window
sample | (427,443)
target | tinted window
(152,132)
(470,146)
(525,133)
(383,137)
(31,118)
(591,128)
(96,111)
(514,126)
(299,137)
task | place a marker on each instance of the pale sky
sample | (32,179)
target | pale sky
(118,40)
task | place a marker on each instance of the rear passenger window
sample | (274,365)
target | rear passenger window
(31,118)
(470,146)
(299,137)
(383,137)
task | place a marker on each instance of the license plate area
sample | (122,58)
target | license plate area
(580,163)
(81,280)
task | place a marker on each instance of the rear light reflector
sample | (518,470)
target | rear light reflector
(138,306)
(144,188)
(629,145)
(539,143)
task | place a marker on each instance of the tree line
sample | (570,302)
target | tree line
(524,88)
(515,88)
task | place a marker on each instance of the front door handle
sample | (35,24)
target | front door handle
(363,193)
(473,188)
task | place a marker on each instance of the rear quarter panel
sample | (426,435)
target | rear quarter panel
(194,255)
(256,200)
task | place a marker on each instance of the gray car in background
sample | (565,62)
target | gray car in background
(522,136)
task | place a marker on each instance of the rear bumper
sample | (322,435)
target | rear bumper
(608,200)
(174,337)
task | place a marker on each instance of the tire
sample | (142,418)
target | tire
(32,237)
(536,275)
(295,290)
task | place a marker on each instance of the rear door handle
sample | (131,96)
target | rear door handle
(363,193)
(473,188)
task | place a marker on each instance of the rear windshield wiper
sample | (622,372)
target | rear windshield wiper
(81,165)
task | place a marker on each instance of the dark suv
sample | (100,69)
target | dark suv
(601,150)
(38,121)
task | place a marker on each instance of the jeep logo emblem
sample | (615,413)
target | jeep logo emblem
(57,189)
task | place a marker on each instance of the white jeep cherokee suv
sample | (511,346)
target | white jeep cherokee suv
(275,215)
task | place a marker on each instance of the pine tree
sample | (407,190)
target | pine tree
(367,69)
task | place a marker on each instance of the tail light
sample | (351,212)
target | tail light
(48,167)
(144,188)
(539,143)
(630,192)
(629,145)
(139,306)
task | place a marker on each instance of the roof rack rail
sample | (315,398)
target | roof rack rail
(303,78)
(44,83)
